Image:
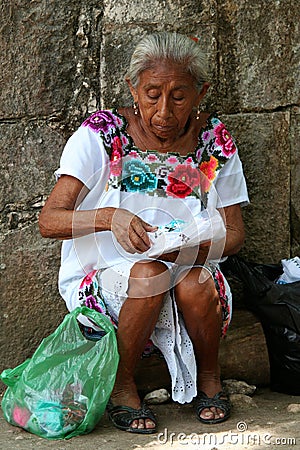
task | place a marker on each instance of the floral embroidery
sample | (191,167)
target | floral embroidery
(152,157)
(208,169)
(220,285)
(224,140)
(182,181)
(88,279)
(138,177)
(160,174)
(172,160)
(90,295)
(100,120)
(206,135)
(116,157)
(91,302)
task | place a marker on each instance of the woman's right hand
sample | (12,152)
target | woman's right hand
(131,231)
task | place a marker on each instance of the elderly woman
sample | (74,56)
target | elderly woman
(128,176)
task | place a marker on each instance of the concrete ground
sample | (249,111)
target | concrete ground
(265,421)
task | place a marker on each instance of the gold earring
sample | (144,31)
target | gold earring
(136,108)
(198,113)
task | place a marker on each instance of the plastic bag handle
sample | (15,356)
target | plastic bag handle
(11,376)
(98,318)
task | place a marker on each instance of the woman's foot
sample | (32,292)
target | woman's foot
(213,409)
(129,398)
(210,386)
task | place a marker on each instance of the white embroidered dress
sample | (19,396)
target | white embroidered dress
(160,188)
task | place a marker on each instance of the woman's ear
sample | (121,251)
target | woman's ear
(132,89)
(203,92)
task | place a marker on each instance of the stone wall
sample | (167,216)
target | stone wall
(62,60)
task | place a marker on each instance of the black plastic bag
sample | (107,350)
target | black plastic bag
(278,308)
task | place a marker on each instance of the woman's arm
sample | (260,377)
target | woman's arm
(235,235)
(60,220)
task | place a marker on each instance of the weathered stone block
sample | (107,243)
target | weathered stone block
(159,13)
(295,181)
(259,54)
(50,58)
(30,153)
(31,307)
(263,141)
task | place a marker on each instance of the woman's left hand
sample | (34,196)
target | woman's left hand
(213,250)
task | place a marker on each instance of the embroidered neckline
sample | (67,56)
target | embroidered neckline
(192,154)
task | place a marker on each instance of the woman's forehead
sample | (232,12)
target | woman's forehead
(166,72)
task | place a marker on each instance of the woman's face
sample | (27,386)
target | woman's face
(166,96)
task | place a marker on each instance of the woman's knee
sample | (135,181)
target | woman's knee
(148,279)
(196,291)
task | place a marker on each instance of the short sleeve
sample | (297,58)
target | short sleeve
(84,157)
(230,183)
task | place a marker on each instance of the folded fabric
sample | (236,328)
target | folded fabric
(178,234)
(291,270)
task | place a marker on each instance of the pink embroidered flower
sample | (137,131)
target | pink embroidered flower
(124,140)
(182,181)
(208,171)
(172,160)
(199,153)
(116,157)
(189,160)
(118,121)
(205,135)
(100,120)
(220,280)
(224,140)
(91,303)
(88,279)
(133,154)
(152,157)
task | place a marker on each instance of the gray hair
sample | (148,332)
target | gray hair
(168,46)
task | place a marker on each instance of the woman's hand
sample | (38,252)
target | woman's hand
(235,235)
(131,231)
(59,218)
(188,256)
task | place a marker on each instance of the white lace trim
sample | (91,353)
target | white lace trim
(169,335)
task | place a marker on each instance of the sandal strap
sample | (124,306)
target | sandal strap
(125,415)
(202,401)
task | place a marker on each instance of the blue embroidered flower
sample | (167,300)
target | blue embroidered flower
(137,176)
(215,121)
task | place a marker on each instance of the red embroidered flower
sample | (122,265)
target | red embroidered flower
(220,280)
(116,157)
(208,172)
(88,279)
(182,181)
(224,140)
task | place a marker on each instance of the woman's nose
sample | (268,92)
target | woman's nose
(164,108)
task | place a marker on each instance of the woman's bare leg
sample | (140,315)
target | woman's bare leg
(200,306)
(147,286)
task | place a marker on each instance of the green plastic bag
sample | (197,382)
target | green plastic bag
(63,390)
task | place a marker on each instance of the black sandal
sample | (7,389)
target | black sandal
(122,417)
(202,401)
